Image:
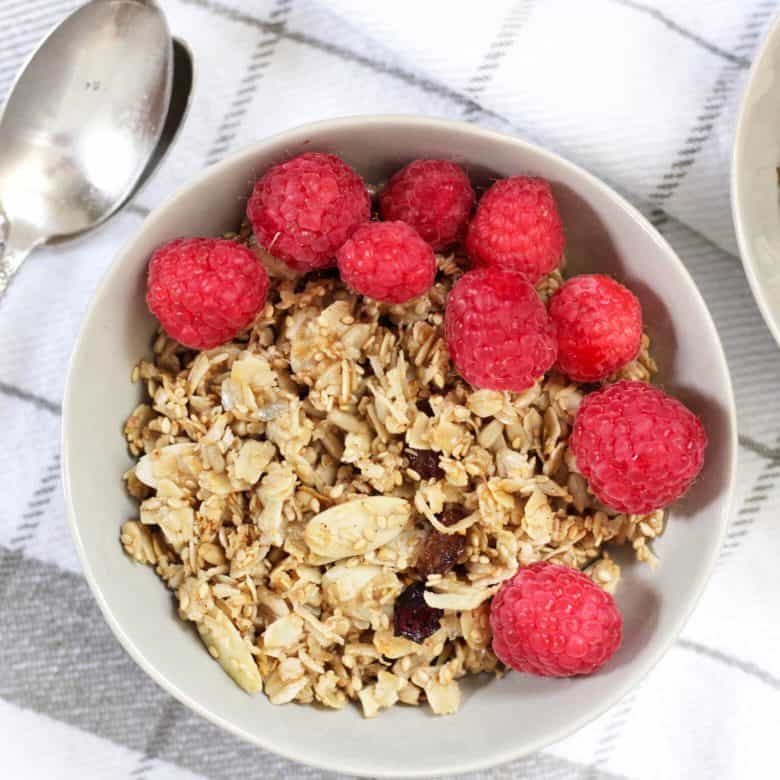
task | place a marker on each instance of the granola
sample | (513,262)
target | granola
(294,482)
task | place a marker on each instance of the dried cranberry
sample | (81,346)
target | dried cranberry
(412,617)
(425,463)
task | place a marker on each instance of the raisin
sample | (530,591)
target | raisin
(453,513)
(412,617)
(424,406)
(425,463)
(439,552)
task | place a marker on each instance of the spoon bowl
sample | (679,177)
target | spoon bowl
(81,123)
(181,92)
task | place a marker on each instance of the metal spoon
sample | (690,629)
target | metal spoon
(81,124)
(181,92)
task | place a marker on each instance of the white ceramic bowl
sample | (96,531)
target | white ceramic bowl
(755,196)
(499,720)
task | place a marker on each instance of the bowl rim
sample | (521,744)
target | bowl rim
(771,319)
(349,764)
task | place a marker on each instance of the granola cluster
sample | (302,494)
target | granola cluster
(295,482)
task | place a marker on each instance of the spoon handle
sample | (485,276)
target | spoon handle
(18,244)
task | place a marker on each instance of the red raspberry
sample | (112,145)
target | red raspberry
(497,330)
(599,327)
(639,448)
(517,228)
(387,261)
(204,291)
(553,621)
(304,209)
(435,197)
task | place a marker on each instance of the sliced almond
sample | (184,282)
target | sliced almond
(359,591)
(226,645)
(343,583)
(253,459)
(166,462)
(443,698)
(284,632)
(355,527)
(462,600)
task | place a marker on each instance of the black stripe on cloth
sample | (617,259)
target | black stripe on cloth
(713,106)
(144,765)
(78,674)
(247,87)
(40,499)
(341,52)
(138,209)
(619,716)
(770,453)
(746,667)
(751,508)
(167,722)
(757,25)
(13,391)
(670,24)
(507,34)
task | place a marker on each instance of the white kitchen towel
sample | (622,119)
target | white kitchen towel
(643,94)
